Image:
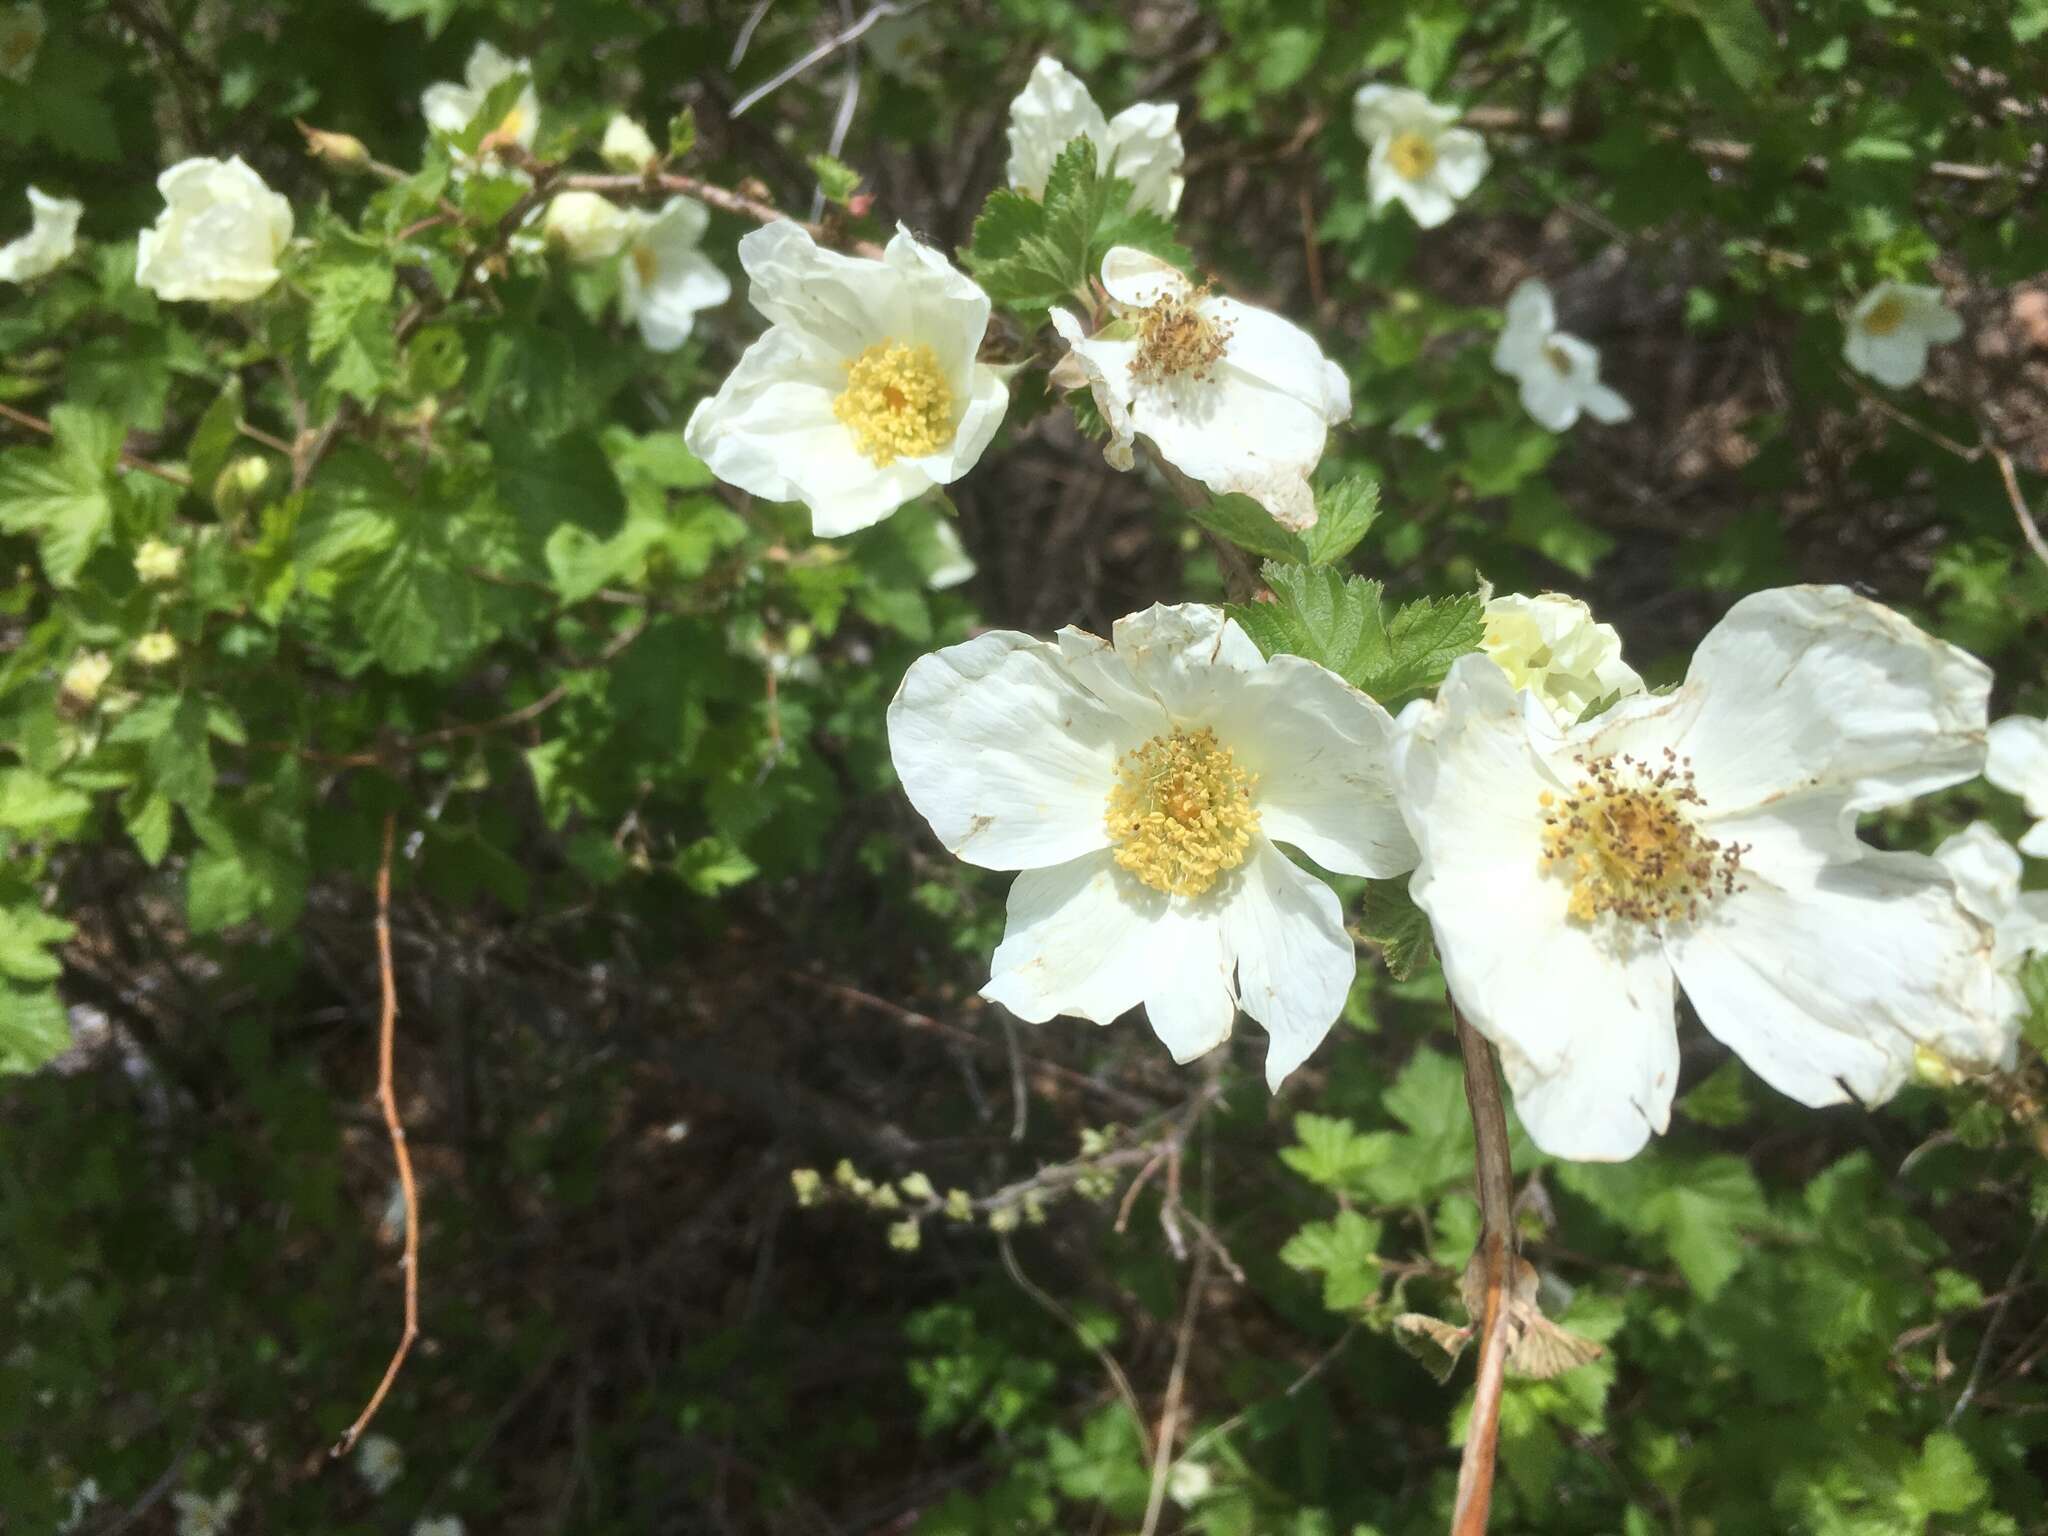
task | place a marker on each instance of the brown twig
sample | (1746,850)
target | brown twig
(176,477)
(387,1098)
(1496,1254)
(1176,1386)
(2028,527)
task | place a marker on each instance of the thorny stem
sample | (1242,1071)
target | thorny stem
(387,1097)
(1497,1248)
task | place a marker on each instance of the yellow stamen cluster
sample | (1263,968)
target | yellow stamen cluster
(644,263)
(1176,340)
(1627,842)
(1886,316)
(897,403)
(1411,155)
(1181,815)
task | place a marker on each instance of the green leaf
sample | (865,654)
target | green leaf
(29,802)
(1740,38)
(1345,513)
(1944,1481)
(836,179)
(1697,1208)
(148,819)
(32,1027)
(1390,919)
(26,932)
(65,494)
(682,133)
(1343,1251)
(173,735)
(416,609)
(1337,622)
(1250,526)
(350,322)
(215,436)
(711,865)
(1334,1153)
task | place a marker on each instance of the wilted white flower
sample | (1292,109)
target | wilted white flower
(87,675)
(156,649)
(444,1525)
(199,1515)
(449,107)
(589,226)
(627,147)
(867,389)
(1706,839)
(156,561)
(1417,155)
(1891,328)
(219,236)
(51,238)
(1987,871)
(2018,764)
(1141,786)
(21,39)
(1140,144)
(666,277)
(1559,373)
(1236,397)
(379,1462)
(1550,645)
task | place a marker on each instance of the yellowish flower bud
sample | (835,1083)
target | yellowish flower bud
(157,561)
(240,484)
(87,675)
(627,147)
(917,1187)
(958,1206)
(903,1236)
(340,151)
(1003,1219)
(154,650)
(810,1188)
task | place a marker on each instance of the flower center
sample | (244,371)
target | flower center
(643,263)
(897,403)
(1181,814)
(512,124)
(1886,315)
(1176,340)
(1411,155)
(1627,841)
(1557,357)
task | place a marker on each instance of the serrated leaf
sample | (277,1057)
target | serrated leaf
(1422,642)
(1334,1153)
(148,819)
(836,179)
(32,1027)
(415,608)
(1345,513)
(1390,919)
(26,934)
(1698,1208)
(64,494)
(1250,526)
(351,288)
(1740,38)
(1342,1251)
(1333,620)
(30,802)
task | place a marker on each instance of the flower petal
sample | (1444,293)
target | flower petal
(1815,690)
(1461,161)
(1824,981)
(2017,760)
(1084,938)
(1189,656)
(1530,318)
(1321,751)
(1052,110)
(1295,961)
(1008,758)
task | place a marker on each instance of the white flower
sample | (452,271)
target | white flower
(445,1525)
(21,39)
(1140,787)
(156,561)
(1559,373)
(87,675)
(902,44)
(666,278)
(1550,645)
(866,390)
(627,147)
(219,236)
(1417,155)
(1891,328)
(1706,839)
(1236,397)
(200,1516)
(379,1462)
(51,238)
(2018,763)
(588,226)
(1986,869)
(449,108)
(1140,144)
(1188,1482)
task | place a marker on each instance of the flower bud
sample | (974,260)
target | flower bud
(157,649)
(903,1236)
(219,236)
(627,147)
(916,1186)
(157,561)
(240,484)
(589,227)
(87,675)
(337,151)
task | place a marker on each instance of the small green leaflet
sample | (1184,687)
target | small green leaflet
(1345,513)
(1339,622)
(1343,1251)
(64,494)
(1030,255)
(1391,920)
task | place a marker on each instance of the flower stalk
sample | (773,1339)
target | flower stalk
(1496,1255)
